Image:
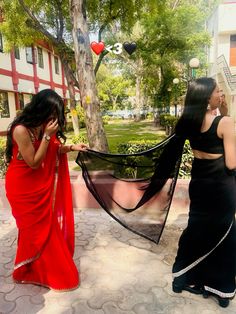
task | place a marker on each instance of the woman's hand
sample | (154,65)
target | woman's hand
(51,127)
(78,147)
(74,147)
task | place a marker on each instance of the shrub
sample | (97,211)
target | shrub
(80,138)
(132,171)
(139,146)
(105,120)
(2,157)
(167,120)
(186,164)
(69,127)
(150,116)
(135,146)
(81,116)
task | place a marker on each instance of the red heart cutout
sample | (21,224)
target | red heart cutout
(97,47)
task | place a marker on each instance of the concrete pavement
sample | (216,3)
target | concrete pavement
(121,273)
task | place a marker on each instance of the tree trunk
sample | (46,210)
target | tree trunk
(74,115)
(138,99)
(113,101)
(86,77)
(71,83)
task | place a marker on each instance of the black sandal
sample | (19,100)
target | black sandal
(223,302)
(192,289)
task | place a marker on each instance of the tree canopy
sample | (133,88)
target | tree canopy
(168,33)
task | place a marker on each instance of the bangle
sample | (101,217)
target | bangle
(46,137)
(71,150)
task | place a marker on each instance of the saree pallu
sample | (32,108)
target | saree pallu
(207,247)
(41,204)
(135,189)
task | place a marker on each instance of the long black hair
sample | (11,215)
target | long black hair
(196,102)
(195,107)
(43,106)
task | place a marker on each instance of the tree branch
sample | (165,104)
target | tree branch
(101,56)
(69,70)
(101,29)
(37,25)
(175,4)
(61,21)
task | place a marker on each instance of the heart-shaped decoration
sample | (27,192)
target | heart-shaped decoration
(97,47)
(130,47)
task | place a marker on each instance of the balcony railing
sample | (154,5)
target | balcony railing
(230,78)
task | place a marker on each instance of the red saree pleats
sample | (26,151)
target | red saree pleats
(42,206)
(63,203)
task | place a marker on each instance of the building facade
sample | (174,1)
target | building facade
(24,72)
(222,53)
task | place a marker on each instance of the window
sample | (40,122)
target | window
(1,43)
(17,52)
(29,55)
(233,38)
(4,105)
(232,57)
(56,62)
(40,57)
(21,101)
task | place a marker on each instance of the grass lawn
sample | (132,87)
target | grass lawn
(122,131)
(125,131)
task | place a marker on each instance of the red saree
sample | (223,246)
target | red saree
(41,204)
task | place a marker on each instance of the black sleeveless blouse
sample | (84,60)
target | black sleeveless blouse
(208,141)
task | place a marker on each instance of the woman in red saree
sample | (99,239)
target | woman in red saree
(39,192)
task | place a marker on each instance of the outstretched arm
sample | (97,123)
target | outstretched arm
(74,147)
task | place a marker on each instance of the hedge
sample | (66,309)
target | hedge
(139,146)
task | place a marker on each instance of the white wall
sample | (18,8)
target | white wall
(212,27)
(220,26)
(5,83)
(59,91)
(5,60)
(22,66)
(43,86)
(26,86)
(224,46)
(227,18)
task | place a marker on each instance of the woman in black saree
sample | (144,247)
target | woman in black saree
(206,258)
(139,187)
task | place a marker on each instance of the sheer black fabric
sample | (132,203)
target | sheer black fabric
(135,189)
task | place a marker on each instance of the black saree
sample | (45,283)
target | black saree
(207,247)
(135,189)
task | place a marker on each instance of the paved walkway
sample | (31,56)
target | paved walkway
(121,273)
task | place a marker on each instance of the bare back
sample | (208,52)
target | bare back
(225,131)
